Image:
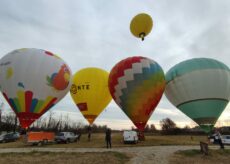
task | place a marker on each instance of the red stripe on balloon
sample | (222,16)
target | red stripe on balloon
(82,106)
(28,100)
(140,125)
(49,53)
(118,71)
(48,106)
(26,119)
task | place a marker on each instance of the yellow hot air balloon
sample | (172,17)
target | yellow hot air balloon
(90,92)
(141,25)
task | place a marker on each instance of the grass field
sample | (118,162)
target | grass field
(194,156)
(61,158)
(98,141)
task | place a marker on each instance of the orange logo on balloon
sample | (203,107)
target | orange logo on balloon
(60,80)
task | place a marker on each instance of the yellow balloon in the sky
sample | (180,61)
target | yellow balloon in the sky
(141,25)
(90,92)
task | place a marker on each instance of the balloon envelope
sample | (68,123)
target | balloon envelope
(90,92)
(137,84)
(141,25)
(32,81)
(200,88)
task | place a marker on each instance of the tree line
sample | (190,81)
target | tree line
(9,122)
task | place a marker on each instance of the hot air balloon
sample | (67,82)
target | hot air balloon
(32,81)
(136,85)
(200,88)
(90,92)
(141,25)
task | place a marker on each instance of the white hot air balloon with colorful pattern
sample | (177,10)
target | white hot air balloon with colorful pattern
(32,81)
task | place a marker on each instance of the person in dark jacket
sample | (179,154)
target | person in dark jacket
(89,132)
(218,137)
(108,138)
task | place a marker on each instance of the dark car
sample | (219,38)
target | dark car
(9,137)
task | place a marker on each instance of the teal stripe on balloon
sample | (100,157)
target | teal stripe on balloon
(11,101)
(203,108)
(194,65)
(33,105)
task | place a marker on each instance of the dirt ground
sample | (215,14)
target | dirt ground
(139,155)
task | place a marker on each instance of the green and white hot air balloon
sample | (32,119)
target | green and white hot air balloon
(200,88)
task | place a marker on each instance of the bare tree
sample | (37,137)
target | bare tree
(66,122)
(15,123)
(153,127)
(50,118)
(9,121)
(60,125)
(167,124)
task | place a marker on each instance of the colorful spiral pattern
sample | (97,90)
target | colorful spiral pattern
(136,85)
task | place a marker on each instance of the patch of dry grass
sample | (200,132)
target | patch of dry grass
(196,157)
(67,158)
(98,141)
(173,140)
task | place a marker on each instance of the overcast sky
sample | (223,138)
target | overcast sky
(95,33)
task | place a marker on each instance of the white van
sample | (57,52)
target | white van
(225,139)
(130,136)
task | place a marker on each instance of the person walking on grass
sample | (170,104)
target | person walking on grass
(108,138)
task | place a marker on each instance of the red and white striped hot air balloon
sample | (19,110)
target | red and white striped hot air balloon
(136,85)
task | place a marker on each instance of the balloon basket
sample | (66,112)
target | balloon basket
(141,136)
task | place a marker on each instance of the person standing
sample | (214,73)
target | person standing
(89,133)
(108,138)
(218,136)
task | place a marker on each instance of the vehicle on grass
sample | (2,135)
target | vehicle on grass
(225,139)
(9,137)
(130,136)
(66,137)
(214,139)
(39,138)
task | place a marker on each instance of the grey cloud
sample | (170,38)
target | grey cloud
(88,33)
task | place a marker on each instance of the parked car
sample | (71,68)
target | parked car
(130,136)
(9,137)
(225,139)
(66,137)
